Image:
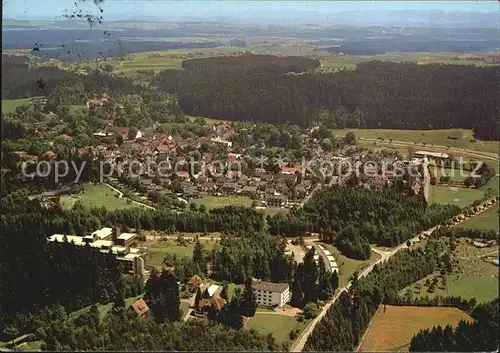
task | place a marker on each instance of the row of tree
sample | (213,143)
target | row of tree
(345,322)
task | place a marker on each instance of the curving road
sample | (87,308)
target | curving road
(300,342)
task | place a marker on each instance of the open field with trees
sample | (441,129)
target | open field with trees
(158,250)
(95,195)
(471,275)
(487,220)
(393,328)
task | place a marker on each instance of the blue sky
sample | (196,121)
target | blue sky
(116,9)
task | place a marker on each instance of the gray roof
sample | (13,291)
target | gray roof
(269,286)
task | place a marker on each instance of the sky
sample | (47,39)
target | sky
(128,9)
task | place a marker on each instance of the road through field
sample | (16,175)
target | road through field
(300,342)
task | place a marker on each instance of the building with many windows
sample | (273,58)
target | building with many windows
(270,294)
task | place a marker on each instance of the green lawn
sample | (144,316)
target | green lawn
(486,220)
(454,174)
(279,325)
(211,202)
(452,195)
(103,309)
(420,139)
(493,184)
(348,266)
(159,249)
(184,308)
(96,195)
(231,288)
(10,105)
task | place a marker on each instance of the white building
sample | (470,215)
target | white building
(102,234)
(270,294)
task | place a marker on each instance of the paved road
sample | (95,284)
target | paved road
(299,344)
(190,310)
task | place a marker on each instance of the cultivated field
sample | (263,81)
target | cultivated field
(349,62)
(454,195)
(393,329)
(455,138)
(487,220)
(95,195)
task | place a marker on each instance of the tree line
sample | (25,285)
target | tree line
(428,96)
(347,319)
(353,217)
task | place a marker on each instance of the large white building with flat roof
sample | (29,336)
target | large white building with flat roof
(270,294)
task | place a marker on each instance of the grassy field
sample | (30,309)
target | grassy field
(393,329)
(279,325)
(486,220)
(96,195)
(157,250)
(348,266)
(211,202)
(472,276)
(452,195)
(456,138)
(494,184)
(454,174)
(349,62)
(10,105)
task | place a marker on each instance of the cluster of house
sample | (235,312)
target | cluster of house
(267,294)
(109,241)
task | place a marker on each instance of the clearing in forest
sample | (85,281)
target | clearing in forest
(393,329)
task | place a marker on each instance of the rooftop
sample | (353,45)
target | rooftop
(269,286)
(103,232)
(212,289)
(126,236)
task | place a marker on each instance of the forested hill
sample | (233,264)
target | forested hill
(21,81)
(391,95)
(252,64)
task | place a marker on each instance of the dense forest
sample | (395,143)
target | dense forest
(391,95)
(21,81)
(82,277)
(354,217)
(479,335)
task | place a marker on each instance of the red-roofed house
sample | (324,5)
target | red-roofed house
(141,308)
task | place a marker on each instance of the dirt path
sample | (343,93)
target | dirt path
(292,312)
